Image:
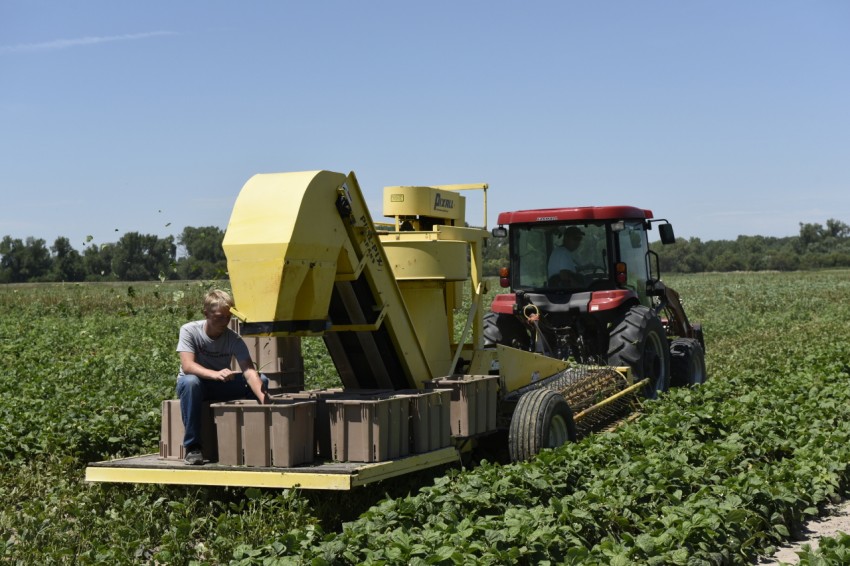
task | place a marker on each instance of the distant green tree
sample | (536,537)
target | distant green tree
(205,255)
(143,257)
(819,239)
(837,229)
(203,243)
(23,261)
(824,246)
(67,262)
(685,256)
(729,261)
(97,261)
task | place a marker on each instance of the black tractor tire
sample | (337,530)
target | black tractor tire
(640,342)
(687,363)
(504,329)
(699,335)
(542,419)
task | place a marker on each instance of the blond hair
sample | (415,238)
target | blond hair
(217,299)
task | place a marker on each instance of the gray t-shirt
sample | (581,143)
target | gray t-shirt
(212,354)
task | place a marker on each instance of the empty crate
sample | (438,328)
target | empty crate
(322,430)
(172,432)
(368,430)
(279,434)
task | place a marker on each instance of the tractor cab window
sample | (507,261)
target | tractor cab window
(633,249)
(567,256)
(532,251)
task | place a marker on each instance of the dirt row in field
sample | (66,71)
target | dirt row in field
(837,521)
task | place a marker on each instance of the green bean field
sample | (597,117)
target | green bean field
(717,474)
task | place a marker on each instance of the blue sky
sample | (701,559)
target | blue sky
(727,118)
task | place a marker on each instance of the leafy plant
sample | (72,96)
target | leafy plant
(718,474)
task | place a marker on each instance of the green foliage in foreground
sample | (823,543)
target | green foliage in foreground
(712,475)
(830,551)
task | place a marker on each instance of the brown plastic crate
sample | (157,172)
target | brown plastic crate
(368,430)
(278,358)
(430,418)
(279,434)
(172,432)
(474,402)
(322,431)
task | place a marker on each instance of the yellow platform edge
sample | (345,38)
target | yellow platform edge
(311,478)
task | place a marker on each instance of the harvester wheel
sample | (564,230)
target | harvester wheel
(506,330)
(542,419)
(687,362)
(639,341)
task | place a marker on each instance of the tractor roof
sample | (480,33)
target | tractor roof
(574,214)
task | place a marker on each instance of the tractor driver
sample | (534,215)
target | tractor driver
(562,265)
(206,347)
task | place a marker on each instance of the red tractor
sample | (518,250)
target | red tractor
(585,285)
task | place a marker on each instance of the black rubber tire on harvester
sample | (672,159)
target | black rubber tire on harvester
(504,329)
(687,363)
(542,419)
(640,342)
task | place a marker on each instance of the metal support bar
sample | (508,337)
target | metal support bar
(365,327)
(469,320)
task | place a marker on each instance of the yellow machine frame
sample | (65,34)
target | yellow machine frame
(306,259)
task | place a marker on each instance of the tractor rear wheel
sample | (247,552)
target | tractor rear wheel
(504,329)
(640,342)
(542,419)
(687,362)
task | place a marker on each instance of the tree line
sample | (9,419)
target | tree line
(134,257)
(816,247)
(144,257)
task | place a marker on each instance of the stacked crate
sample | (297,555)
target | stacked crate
(277,358)
(473,402)
(172,432)
(430,418)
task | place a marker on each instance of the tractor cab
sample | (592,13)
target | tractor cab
(583,256)
(584,249)
(573,274)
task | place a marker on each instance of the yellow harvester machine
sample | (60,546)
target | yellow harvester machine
(306,259)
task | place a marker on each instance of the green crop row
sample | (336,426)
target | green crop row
(714,475)
(830,551)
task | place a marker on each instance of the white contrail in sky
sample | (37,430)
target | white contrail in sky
(68,43)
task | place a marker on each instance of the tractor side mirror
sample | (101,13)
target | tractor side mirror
(500,232)
(666,233)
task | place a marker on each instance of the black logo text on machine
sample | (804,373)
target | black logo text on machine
(443,204)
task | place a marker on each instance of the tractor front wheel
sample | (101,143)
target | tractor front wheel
(542,419)
(640,342)
(687,362)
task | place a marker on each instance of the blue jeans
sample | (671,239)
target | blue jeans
(193,391)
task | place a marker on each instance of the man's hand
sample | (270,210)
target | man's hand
(223,375)
(255,383)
